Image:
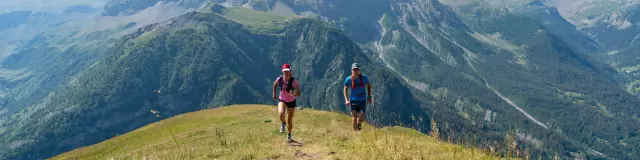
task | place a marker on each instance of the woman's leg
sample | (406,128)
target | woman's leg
(290,112)
(291,108)
(281,109)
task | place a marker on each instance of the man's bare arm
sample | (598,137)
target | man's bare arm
(369,89)
(346,94)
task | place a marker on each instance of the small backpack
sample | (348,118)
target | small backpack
(353,84)
(289,85)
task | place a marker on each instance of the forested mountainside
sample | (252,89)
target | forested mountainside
(477,68)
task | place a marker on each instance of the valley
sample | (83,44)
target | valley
(561,74)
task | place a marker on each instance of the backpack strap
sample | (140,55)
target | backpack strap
(290,84)
(353,83)
(361,81)
(280,82)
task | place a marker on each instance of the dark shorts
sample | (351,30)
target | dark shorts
(358,106)
(291,104)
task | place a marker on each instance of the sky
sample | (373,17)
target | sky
(46,5)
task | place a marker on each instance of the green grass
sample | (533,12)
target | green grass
(147,36)
(518,52)
(629,69)
(603,109)
(255,21)
(386,21)
(251,132)
(634,87)
(579,98)
(139,42)
(612,53)
(252,18)
(574,95)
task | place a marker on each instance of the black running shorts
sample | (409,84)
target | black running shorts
(358,106)
(291,104)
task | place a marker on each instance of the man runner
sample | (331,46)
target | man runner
(358,99)
(288,85)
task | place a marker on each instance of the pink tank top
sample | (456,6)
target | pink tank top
(284,96)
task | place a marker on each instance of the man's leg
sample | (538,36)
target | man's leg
(281,109)
(361,115)
(354,118)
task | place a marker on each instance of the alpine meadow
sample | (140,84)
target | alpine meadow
(192,79)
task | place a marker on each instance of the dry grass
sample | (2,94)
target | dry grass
(251,132)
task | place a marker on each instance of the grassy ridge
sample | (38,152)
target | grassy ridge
(251,132)
(256,21)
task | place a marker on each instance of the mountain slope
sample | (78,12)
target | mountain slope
(251,131)
(526,65)
(480,71)
(130,7)
(618,31)
(34,70)
(552,20)
(614,26)
(566,70)
(18,27)
(466,67)
(193,62)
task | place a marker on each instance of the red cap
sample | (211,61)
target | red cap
(286,67)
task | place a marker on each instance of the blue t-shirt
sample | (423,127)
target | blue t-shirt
(357,93)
